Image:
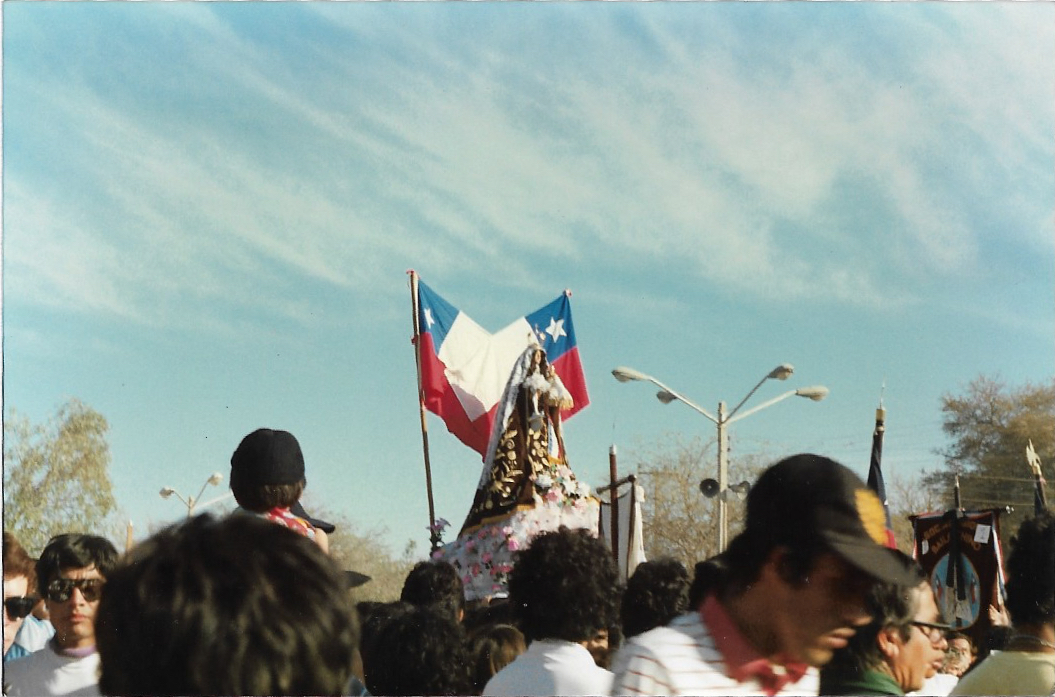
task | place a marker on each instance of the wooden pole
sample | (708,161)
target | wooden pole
(434,535)
(613,493)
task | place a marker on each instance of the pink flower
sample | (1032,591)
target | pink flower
(475,570)
(437,554)
(485,557)
(552,495)
(512,544)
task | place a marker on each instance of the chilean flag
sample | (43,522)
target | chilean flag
(465,368)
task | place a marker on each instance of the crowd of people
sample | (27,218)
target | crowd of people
(806,600)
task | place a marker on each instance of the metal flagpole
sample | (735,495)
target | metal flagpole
(434,534)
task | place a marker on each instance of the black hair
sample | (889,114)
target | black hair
(234,606)
(656,593)
(1031,572)
(435,584)
(565,585)
(74,551)
(417,651)
(260,498)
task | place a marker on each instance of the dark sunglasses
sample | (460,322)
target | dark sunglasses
(19,607)
(60,590)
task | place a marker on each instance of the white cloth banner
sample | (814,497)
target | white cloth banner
(631,538)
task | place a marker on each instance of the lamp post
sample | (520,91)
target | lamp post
(191,502)
(722,420)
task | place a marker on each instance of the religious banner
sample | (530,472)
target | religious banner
(961,555)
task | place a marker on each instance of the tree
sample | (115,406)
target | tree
(908,498)
(990,425)
(679,521)
(364,551)
(56,476)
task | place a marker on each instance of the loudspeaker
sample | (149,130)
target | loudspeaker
(740,489)
(709,488)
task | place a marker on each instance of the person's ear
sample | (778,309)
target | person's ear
(889,641)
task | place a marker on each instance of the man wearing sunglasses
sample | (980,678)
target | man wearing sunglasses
(71,572)
(897,651)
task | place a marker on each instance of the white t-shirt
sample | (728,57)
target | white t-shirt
(1010,673)
(46,672)
(551,667)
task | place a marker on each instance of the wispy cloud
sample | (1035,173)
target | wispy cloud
(756,170)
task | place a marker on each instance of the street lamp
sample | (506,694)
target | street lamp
(191,502)
(722,420)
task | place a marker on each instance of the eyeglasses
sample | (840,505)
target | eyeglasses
(932,630)
(60,590)
(19,606)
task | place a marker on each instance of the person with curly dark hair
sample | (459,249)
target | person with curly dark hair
(417,650)
(656,593)
(230,606)
(435,584)
(564,588)
(1026,664)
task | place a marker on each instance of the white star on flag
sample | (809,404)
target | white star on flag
(556,328)
(428,317)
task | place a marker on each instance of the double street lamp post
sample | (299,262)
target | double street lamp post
(722,420)
(192,502)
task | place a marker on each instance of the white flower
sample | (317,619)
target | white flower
(544,481)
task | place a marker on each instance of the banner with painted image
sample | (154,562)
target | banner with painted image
(961,555)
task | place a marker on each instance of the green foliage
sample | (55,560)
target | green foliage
(990,425)
(56,476)
(679,521)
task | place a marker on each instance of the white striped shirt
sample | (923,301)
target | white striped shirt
(682,659)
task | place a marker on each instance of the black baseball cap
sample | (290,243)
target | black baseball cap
(297,509)
(809,496)
(267,456)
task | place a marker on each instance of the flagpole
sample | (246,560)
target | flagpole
(434,534)
(614,497)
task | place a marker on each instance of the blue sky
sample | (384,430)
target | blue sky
(210,209)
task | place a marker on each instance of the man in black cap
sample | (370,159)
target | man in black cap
(267,478)
(788,592)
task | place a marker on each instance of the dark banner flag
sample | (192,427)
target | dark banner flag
(960,553)
(875,472)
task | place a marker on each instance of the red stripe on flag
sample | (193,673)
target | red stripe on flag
(441,399)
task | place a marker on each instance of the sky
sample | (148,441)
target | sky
(210,209)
